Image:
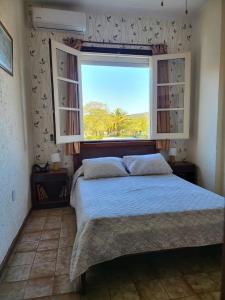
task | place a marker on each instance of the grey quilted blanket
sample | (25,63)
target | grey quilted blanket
(136,214)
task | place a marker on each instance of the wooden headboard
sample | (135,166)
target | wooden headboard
(118,148)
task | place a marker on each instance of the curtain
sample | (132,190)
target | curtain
(163,117)
(73,118)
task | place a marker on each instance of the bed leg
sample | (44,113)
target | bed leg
(83,283)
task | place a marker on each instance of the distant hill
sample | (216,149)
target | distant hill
(139,115)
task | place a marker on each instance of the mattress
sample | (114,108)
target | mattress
(136,214)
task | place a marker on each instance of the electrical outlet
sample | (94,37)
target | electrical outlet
(13,195)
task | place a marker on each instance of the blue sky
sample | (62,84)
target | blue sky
(124,87)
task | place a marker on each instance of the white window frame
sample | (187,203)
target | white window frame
(62,139)
(120,60)
(154,135)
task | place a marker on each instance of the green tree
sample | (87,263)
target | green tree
(95,114)
(138,125)
(100,123)
(118,122)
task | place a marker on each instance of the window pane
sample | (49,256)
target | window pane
(68,94)
(116,102)
(69,122)
(170,96)
(170,121)
(66,65)
(171,71)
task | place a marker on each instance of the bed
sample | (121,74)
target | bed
(138,214)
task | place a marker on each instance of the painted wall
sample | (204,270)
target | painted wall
(14,150)
(176,33)
(205,97)
(220,174)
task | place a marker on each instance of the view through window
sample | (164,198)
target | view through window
(115,102)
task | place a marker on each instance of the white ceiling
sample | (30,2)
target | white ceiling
(142,7)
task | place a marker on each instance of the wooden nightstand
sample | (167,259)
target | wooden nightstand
(50,189)
(185,170)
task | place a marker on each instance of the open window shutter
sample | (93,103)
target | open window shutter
(170,100)
(68,114)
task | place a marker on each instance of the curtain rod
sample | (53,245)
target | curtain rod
(118,44)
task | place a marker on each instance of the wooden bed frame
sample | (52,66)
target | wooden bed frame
(112,148)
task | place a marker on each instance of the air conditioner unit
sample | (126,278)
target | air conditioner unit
(55,19)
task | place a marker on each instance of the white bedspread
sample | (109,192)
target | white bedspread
(135,214)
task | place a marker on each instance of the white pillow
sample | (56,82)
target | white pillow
(147,164)
(104,167)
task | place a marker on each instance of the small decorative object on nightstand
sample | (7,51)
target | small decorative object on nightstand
(50,189)
(185,170)
(55,158)
(172,154)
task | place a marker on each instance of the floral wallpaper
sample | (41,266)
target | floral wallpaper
(177,35)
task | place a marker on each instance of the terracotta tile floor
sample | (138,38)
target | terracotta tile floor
(39,266)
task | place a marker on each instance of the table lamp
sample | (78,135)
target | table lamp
(172,154)
(55,158)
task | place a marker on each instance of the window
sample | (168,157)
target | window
(105,96)
(115,101)
(170,101)
(66,93)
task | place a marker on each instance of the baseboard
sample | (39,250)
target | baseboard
(9,252)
